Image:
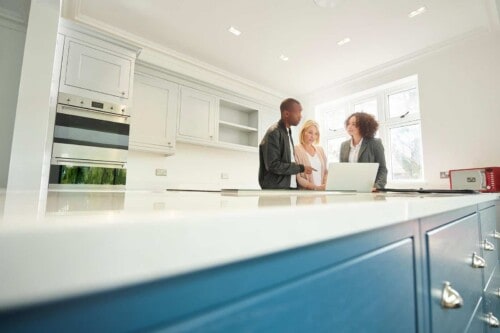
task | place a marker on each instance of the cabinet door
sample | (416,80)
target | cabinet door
(374,292)
(196,116)
(96,69)
(451,248)
(154,114)
(489,243)
(492,299)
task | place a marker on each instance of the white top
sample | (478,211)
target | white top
(316,164)
(354,152)
(61,244)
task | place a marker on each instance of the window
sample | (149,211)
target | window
(396,108)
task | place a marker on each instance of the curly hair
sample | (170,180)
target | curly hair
(305,127)
(366,124)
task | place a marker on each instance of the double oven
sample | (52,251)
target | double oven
(90,143)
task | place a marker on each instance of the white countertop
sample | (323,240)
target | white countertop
(64,243)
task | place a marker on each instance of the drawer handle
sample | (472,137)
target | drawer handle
(477,261)
(496,234)
(451,299)
(498,292)
(492,320)
(488,246)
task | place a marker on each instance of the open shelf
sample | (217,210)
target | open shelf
(238,124)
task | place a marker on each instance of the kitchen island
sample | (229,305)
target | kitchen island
(232,261)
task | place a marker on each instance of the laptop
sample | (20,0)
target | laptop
(352,177)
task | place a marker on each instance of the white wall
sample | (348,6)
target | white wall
(459,102)
(12,36)
(193,167)
(30,149)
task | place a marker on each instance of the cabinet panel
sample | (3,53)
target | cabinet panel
(492,297)
(196,115)
(380,297)
(489,243)
(476,323)
(153,122)
(450,249)
(96,69)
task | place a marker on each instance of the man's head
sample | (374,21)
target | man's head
(291,112)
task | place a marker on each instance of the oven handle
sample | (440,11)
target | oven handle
(95,114)
(90,163)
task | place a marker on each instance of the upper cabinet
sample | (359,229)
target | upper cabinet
(91,68)
(95,65)
(154,114)
(210,118)
(196,122)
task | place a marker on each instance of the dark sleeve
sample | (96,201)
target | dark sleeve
(378,151)
(272,157)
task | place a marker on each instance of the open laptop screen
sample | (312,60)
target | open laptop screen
(354,177)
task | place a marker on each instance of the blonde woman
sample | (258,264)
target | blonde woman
(311,154)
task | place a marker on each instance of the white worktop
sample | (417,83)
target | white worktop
(64,243)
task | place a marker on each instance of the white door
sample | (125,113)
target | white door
(197,115)
(154,114)
(96,69)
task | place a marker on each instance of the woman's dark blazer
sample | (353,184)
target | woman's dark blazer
(371,151)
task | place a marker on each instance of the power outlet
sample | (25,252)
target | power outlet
(444,174)
(224,175)
(161,172)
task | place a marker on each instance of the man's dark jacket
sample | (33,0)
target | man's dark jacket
(276,168)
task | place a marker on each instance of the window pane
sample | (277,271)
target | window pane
(403,103)
(335,120)
(406,153)
(367,107)
(333,149)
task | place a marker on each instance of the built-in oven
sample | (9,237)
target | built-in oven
(90,143)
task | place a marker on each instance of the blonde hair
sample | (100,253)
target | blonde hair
(308,124)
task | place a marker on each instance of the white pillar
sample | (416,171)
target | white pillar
(30,153)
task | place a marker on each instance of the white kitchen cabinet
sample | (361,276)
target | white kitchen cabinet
(96,65)
(197,114)
(154,114)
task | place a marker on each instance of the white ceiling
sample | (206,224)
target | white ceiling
(380,33)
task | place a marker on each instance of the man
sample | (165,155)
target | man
(277,169)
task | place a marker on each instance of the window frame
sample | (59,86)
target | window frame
(386,123)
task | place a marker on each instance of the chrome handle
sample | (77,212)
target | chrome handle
(477,261)
(451,299)
(496,234)
(488,246)
(492,320)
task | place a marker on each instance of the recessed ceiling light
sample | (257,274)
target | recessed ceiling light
(283,57)
(419,11)
(343,41)
(234,31)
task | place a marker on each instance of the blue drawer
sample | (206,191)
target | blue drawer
(476,323)
(449,249)
(488,225)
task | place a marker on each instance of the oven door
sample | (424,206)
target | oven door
(86,137)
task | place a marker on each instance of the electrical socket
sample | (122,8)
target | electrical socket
(444,174)
(224,175)
(161,172)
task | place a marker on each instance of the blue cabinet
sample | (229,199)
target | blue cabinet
(362,283)
(370,293)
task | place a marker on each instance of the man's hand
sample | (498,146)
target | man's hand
(308,169)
